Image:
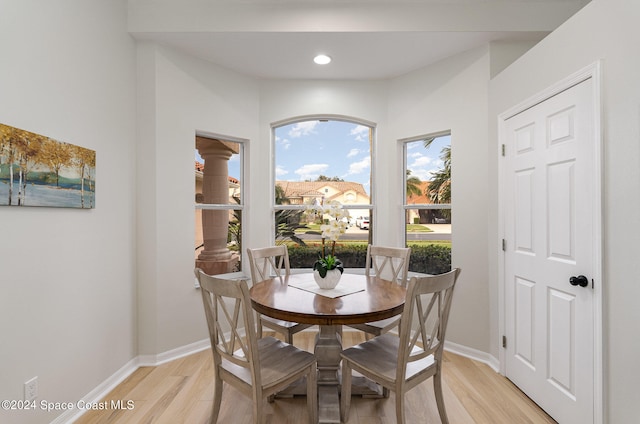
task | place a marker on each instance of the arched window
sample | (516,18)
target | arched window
(317,161)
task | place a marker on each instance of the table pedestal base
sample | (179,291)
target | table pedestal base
(327,351)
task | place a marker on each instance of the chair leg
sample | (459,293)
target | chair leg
(217,399)
(345,395)
(437,388)
(288,337)
(399,407)
(312,394)
(258,409)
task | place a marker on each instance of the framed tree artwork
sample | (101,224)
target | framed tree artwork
(36,170)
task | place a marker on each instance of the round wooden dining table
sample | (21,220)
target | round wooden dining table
(357,299)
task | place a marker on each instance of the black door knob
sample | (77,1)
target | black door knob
(580,280)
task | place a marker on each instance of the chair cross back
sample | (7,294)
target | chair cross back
(389,263)
(431,320)
(268,262)
(227,305)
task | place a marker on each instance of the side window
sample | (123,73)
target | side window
(218,205)
(427,204)
(320,162)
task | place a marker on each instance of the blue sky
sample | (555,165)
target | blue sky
(424,162)
(306,150)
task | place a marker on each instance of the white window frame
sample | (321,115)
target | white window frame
(426,206)
(243,187)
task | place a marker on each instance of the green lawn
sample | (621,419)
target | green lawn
(418,228)
(428,242)
(411,228)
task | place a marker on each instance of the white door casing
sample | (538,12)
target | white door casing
(551,218)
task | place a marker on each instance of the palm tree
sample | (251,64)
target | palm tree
(440,186)
(281,199)
(413,185)
(413,188)
(287,221)
(439,190)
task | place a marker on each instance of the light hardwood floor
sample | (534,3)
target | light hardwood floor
(181,391)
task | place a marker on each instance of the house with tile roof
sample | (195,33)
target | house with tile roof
(319,192)
(424,216)
(310,192)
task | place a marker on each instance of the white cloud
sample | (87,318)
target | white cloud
(423,167)
(353,152)
(361,133)
(311,171)
(420,161)
(422,174)
(284,142)
(360,166)
(303,128)
(280,171)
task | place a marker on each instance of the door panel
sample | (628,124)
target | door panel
(561,206)
(525,329)
(562,341)
(549,202)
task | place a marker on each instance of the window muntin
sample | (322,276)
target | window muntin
(427,202)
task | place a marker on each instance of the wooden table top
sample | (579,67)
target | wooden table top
(381,299)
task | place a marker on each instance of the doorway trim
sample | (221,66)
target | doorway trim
(593,72)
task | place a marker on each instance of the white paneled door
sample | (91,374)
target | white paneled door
(550,205)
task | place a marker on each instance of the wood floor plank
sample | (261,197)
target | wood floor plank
(181,391)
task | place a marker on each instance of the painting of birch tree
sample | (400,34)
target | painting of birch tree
(36,170)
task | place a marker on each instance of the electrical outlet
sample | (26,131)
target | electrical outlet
(31,389)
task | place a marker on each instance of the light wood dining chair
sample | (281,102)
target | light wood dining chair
(401,363)
(258,368)
(392,264)
(269,262)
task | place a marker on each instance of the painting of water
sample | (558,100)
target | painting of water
(36,170)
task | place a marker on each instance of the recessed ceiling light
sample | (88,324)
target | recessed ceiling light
(322,59)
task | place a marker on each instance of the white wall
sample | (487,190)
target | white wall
(452,95)
(67,276)
(178,96)
(604,30)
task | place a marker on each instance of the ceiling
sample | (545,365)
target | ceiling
(267,38)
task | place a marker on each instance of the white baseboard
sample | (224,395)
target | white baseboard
(476,355)
(170,355)
(97,394)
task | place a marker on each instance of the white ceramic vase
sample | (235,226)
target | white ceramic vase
(329,281)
